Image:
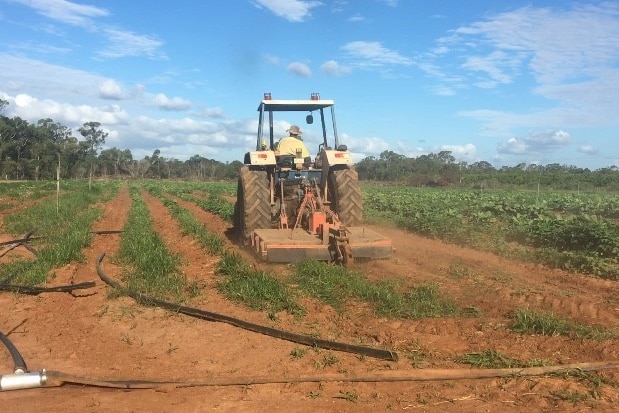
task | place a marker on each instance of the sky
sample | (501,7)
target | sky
(506,82)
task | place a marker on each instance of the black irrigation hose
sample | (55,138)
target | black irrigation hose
(18,360)
(19,241)
(284,335)
(28,289)
(107,231)
(12,244)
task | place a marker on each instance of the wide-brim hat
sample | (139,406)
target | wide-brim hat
(294,129)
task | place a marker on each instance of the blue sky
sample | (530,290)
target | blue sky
(503,81)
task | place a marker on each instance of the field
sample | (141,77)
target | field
(479,281)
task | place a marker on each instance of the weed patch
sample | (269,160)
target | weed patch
(254,288)
(335,285)
(545,323)
(492,359)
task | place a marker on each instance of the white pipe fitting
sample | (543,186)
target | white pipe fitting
(21,381)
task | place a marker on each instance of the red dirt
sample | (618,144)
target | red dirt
(91,334)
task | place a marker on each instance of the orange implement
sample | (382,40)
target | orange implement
(279,245)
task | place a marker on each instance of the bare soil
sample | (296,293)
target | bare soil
(91,334)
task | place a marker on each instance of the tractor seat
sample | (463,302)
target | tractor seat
(287,161)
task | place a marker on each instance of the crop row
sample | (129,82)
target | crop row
(577,232)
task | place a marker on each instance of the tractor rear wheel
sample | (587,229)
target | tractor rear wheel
(345,195)
(252,209)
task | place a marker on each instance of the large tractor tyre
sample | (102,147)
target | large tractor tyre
(345,196)
(252,209)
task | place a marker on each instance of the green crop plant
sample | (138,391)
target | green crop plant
(64,228)
(259,291)
(213,243)
(207,195)
(150,268)
(335,285)
(574,232)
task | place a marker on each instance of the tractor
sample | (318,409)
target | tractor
(291,207)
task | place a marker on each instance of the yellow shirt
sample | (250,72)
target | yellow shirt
(289,146)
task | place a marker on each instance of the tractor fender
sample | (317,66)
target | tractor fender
(260,158)
(332,160)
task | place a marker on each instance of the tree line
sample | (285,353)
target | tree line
(48,149)
(441,169)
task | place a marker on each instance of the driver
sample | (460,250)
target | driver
(293,142)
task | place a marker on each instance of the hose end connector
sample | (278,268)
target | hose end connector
(19,381)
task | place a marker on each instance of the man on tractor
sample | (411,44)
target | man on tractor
(292,143)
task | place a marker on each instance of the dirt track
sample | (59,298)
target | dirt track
(92,335)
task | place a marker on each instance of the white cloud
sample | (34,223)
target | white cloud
(561,44)
(492,65)
(443,91)
(187,132)
(65,11)
(588,149)
(109,89)
(77,99)
(274,60)
(364,147)
(331,67)
(535,143)
(35,77)
(461,152)
(215,112)
(32,109)
(390,3)
(291,10)
(356,18)
(513,146)
(374,54)
(299,69)
(567,56)
(124,43)
(176,103)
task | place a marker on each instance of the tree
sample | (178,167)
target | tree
(3,104)
(93,135)
(94,138)
(482,166)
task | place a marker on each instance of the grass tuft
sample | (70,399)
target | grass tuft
(335,285)
(546,323)
(492,359)
(256,289)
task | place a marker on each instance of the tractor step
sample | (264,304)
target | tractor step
(285,245)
